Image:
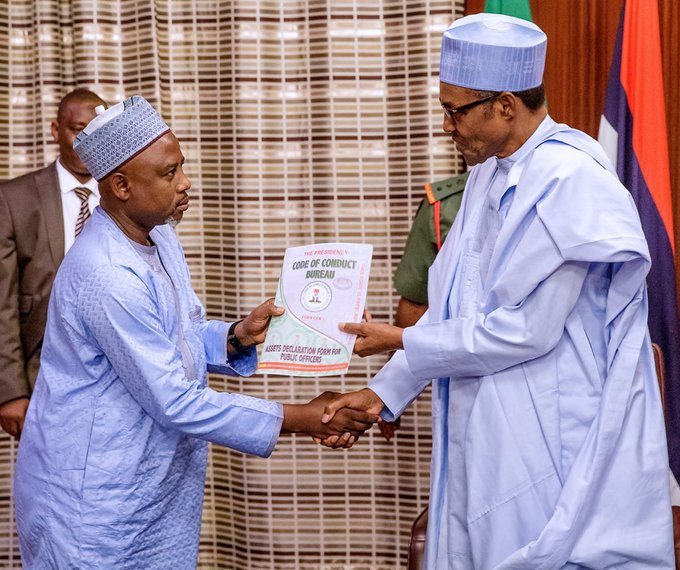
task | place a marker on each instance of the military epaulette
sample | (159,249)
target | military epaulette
(444,188)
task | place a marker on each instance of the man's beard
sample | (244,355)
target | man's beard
(172,222)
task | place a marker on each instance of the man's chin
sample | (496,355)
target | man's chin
(78,169)
(174,220)
(471,160)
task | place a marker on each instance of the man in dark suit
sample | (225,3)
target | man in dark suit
(41,214)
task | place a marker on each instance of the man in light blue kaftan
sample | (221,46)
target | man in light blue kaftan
(137,420)
(549,448)
(112,460)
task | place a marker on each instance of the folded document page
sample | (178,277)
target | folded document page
(321,285)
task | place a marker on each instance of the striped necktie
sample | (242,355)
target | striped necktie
(84,213)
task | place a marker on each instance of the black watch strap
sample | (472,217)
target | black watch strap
(234,341)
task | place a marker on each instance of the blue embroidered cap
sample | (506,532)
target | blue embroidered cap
(493,52)
(118,134)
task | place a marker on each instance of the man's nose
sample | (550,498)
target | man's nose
(184,183)
(448,126)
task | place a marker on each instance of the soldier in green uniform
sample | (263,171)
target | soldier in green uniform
(430,227)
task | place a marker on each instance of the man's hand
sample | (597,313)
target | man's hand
(12,416)
(408,312)
(373,337)
(388,429)
(366,400)
(346,426)
(253,329)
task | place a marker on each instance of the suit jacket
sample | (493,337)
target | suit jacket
(31,249)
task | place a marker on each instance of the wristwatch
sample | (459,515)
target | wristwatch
(234,341)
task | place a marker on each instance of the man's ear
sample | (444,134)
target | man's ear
(54,127)
(120,186)
(509,104)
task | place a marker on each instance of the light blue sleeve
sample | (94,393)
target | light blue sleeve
(120,314)
(214,336)
(509,335)
(213,333)
(396,386)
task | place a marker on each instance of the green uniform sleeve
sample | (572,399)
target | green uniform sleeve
(410,278)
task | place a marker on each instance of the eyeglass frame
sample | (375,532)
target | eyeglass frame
(451,113)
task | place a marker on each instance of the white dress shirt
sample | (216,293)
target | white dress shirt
(71,203)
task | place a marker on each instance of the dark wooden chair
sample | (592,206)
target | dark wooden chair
(661,375)
(416,550)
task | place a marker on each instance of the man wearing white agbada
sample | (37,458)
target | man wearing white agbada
(112,458)
(548,439)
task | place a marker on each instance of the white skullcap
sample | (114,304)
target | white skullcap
(493,52)
(118,134)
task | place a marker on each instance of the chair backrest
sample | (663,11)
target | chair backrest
(416,549)
(660,373)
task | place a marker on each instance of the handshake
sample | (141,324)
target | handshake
(334,420)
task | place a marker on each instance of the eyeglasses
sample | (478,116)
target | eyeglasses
(451,113)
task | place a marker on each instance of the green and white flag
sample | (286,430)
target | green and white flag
(516,8)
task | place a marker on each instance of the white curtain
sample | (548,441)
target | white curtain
(302,122)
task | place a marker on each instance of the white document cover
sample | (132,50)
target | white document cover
(321,285)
